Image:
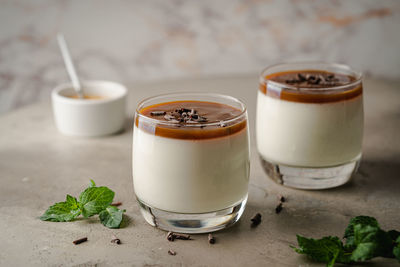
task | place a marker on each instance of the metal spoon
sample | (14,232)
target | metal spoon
(70,65)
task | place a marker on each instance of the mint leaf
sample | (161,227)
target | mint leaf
(370,241)
(396,249)
(349,232)
(111,217)
(364,240)
(92,183)
(394,234)
(62,211)
(72,202)
(95,199)
(326,249)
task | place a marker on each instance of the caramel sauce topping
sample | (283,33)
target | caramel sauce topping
(189,120)
(310,85)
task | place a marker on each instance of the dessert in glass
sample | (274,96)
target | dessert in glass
(309,125)
(191,161)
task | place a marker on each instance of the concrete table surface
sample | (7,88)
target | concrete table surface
(39,166)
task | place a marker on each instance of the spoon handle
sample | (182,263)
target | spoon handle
(69,65)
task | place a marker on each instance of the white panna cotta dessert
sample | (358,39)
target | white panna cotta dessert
(310,124)
(191,157)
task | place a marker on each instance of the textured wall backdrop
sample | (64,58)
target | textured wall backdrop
(144,40)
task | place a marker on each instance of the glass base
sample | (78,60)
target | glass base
(192,223)
(308,177)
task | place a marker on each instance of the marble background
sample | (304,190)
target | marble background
(131,41)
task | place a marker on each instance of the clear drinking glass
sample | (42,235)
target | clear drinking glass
(310,138)
(191,178)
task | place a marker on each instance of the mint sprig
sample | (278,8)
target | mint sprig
(94,200)
(364,240)
(111,217)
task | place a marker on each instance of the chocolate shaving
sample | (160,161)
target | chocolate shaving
(202,119)
(301,77)
(256,220)
(171,252)
(320,79)
(115,240)
(281,198)
(158,113)
(184,115)
(80,240)
(171,236)
(116,204)
(211,239)
(279,208)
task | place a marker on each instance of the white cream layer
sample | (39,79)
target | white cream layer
(190,176)
(308,134)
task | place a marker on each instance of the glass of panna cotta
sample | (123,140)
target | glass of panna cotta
(309,124)
(191,161)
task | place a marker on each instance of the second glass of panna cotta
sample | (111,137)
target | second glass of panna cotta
(191,161)
(309,124)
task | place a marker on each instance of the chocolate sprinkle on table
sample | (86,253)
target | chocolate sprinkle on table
(80,240)
(211,239)
(115,240)
(172,236)
(256,220)
(171,252)
(279,208)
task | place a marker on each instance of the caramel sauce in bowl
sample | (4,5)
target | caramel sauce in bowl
(101,112)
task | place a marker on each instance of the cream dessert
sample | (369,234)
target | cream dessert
(190,156)
(309,119)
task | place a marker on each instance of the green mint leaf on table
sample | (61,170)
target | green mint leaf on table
(396,249)
(92,183)
(327,249)
(95,199)
(111,217)
(62,211)
(364,241)
(370,241)
(394,234)
(349,232)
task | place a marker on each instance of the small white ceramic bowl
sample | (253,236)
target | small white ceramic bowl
(90,117)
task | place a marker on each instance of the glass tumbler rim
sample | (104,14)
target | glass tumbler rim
(143,102)
(308,65)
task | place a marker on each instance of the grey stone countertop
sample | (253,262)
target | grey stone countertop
(39,166)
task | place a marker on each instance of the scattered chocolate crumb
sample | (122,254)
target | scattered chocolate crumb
(116,204)
(182,236)
(211,239)
(115,240)
(281,198)
(80,240)
(256,220)
(172,236)
(171,252)
(279,208)
(158,113)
